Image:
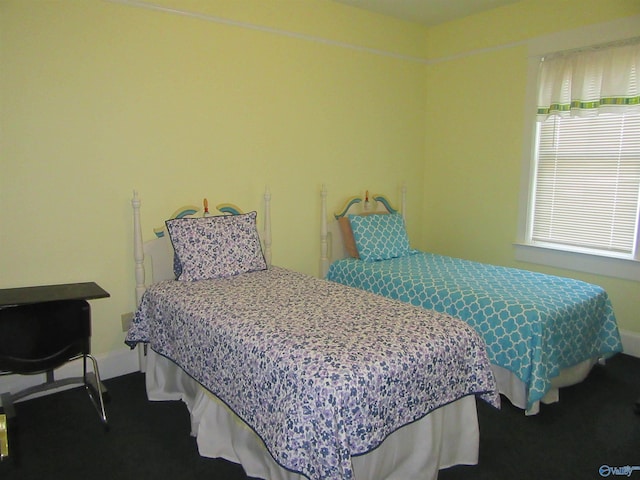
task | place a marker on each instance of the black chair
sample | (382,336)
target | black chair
(38,338)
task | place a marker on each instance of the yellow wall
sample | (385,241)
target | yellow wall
(100,98)
(476,85)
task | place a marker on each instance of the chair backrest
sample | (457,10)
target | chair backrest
(43,336)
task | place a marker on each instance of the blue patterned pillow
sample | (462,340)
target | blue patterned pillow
(215,247)
(380,237)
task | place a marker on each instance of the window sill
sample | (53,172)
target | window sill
(624,268)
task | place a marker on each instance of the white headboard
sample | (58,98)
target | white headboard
(331,242)
(158,252)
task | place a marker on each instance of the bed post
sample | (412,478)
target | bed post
(267,226)
(138,252)
(138,255)
(324,257)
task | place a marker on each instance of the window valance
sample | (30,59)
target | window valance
(590,82)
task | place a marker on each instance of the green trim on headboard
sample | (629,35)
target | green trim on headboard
(385,201)
(180,213)
(351,201)
(229,208)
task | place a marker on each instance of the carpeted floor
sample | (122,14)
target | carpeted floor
(60,436)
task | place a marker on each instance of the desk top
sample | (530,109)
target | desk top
(51,293)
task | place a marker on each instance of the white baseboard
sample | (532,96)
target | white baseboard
(630,342)
(112,364)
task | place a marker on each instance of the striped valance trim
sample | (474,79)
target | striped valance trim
(590,105)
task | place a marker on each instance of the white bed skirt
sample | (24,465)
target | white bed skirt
(516,391)
(446,437)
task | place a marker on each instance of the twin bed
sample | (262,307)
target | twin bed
(542,332)
(371,374)
(294,376)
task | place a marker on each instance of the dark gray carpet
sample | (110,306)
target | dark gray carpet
(60,436)
(594,424)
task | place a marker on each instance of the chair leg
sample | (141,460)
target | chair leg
(97,392)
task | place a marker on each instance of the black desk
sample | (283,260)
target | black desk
(41,329)
(51,293)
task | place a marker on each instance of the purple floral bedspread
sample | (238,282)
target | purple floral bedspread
(320,371)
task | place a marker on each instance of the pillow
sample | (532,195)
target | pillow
(216,247)
(177,266)
(347,233)
(380,237)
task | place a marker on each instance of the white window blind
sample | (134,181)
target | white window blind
(587,189)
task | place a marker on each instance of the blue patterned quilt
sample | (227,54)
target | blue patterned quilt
(534,324)
(321,372)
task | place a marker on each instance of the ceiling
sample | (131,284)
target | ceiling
(427,12)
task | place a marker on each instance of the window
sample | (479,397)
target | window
(587,183)
(584,180)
